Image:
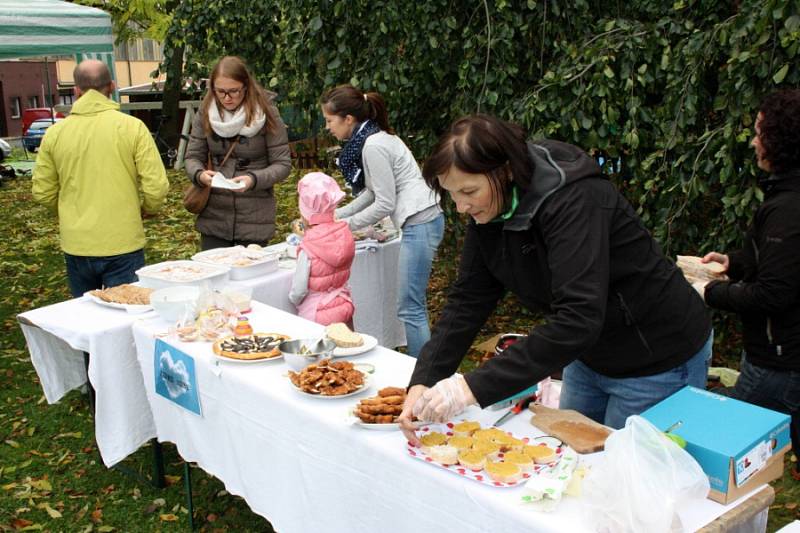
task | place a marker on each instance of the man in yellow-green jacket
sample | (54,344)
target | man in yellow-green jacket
(91,168)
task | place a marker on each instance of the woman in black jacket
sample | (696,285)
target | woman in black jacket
(547,225)
(764,286)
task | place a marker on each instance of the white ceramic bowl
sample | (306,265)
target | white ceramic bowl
(173,303)
(318,351)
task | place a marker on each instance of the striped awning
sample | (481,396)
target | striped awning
(53,27)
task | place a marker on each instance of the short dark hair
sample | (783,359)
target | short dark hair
(482,144)
(780,130)
(95,76)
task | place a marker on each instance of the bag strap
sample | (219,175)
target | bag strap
(227,155)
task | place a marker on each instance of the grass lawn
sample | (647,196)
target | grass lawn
(51,476)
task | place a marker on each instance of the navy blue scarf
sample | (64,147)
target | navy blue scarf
(349,160)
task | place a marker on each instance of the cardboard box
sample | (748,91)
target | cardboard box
(739,446)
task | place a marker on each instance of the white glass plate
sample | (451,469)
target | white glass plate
(131,308)
(370,342)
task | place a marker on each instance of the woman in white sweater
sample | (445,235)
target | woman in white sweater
(386,180)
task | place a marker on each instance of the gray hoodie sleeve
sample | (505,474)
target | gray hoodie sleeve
(381,190)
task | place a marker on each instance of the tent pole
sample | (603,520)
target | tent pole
(49,92)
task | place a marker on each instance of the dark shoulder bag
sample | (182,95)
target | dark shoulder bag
(195,197)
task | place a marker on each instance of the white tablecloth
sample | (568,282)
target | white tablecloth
(373,282)
(296,461)
(60,334)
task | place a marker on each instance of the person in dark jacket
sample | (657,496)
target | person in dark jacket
(547,225)
(240,128)
(764,285)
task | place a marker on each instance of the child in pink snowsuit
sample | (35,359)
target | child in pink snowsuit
(320,288)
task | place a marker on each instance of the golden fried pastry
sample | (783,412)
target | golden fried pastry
(124,294)
(328,378)
(392,391)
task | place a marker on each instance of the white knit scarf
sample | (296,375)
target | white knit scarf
(232,124)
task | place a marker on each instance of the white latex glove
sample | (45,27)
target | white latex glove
(445,400)
(700,287)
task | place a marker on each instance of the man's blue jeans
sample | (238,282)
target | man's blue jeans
(417,250)
(611,401)
(774,389)
(89,273)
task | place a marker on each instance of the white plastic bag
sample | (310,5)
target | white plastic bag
(642,480)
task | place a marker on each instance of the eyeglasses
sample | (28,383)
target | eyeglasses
(233,93)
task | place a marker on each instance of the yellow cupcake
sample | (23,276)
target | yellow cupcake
(462,443)
(432,439)
(540,454)
(503,472)
(488,434)
(472,460)
(524,462)
(488,449)
(466,428)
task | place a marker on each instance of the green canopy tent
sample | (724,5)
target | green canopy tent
(53,27)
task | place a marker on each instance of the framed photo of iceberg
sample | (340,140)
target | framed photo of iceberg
(175,376)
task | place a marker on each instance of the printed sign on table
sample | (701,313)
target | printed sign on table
(175,377)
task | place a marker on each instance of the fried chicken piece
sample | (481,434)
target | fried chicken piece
(391,391)
(390,400)
(382,409)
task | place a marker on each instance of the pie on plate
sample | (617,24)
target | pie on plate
(124,294)
(251,347)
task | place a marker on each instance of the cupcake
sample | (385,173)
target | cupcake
(466,428)
(488,434)
(503,472)
(509,443)
(472,460)
(488,449)
(540,454)
(460,442)
(524,462)
(432,439)
(446,455)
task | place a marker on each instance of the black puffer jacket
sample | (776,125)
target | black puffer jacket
(765,278)
(576,250)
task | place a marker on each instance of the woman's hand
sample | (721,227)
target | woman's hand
(248,181)
(716,257)
(445,400)
(204,178)
(406,424)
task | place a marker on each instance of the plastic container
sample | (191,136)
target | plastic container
(244,263)
(241,295)
(182,273)
(173,303)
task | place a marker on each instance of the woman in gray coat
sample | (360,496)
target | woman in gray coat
(237,119)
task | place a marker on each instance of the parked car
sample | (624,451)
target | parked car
(37,113)
(33,137)
(5,150)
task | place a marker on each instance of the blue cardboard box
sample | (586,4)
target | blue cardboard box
(738,445)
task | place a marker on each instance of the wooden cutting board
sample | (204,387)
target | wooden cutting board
(582,433)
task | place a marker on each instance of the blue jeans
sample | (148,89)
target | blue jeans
(89,273)
(778,390)
(417,250)
(611,401)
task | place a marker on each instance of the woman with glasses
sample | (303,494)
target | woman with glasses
(239,132)
(387,181)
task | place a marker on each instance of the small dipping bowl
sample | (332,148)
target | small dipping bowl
(316,350)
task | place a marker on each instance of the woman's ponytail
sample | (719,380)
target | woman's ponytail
(347,100)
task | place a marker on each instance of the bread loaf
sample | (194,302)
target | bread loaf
(341,335)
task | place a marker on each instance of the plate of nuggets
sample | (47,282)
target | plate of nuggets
(380,412)
(329,379)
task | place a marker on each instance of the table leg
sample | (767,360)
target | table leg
(158,481)
(187,484)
